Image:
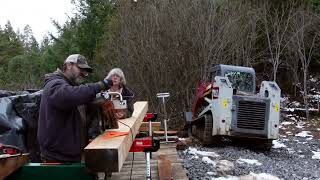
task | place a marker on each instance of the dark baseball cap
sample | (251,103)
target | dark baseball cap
(80,61)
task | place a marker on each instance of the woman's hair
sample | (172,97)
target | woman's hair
(118,72)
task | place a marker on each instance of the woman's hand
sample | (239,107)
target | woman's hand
(119,115)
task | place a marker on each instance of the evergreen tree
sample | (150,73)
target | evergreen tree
(10,44)
(30,43)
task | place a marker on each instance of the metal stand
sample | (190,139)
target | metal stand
(148,156)
(148,166)
(164,95)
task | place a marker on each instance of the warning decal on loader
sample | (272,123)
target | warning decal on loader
(225,103)
(276,107)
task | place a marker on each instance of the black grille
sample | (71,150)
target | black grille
(251,115)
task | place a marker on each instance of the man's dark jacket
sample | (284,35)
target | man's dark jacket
(59,118)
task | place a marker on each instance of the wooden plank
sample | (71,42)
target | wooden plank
(170,138)
(10,163)
(164,168)
(108,154)
(163,132)
(145,126)
(169,150)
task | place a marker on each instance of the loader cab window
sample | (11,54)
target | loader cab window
(214,73)
(242,81)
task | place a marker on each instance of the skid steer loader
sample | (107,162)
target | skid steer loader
(227,105)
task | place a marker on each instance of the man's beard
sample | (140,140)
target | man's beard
(76,80)
(79,81)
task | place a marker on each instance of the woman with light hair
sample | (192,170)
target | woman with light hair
(116,75)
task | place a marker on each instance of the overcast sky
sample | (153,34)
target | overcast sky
(36,13)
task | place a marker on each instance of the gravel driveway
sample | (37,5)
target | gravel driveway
(294,156)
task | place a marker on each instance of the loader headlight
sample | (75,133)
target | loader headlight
(215,92)
(266,93)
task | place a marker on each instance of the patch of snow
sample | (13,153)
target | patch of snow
(224,166)
(299,126)
(289,109)
(276,144)
(293,118)
(296,103)
(194,151)
(227,178)
(208,161)
(286,123)
(211,173)
(261,176)
(310,138)
(317,96)
(290,150)
(316,155)
(194,157)
(249,161)
(264,176)
(313,80)
(304,134)
(289,133)
(284,99)
(302,142)
(318,129)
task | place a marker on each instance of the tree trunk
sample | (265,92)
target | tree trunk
(305,93)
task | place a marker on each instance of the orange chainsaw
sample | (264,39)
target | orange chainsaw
(111,103)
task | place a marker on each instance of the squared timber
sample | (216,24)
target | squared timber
(108,154)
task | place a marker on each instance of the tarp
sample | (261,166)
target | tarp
(18,121)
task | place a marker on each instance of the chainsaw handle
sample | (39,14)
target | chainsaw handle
(10,149)
(150,117)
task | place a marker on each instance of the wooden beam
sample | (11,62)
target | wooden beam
(107,154)
(145,126)
(164,168)
(10,163)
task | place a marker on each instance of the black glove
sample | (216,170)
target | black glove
(107,83)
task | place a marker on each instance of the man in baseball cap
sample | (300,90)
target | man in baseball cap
(80,61)
(76,68)
(59,133)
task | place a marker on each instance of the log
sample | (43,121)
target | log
(107,154)
(145,126)
(10,163)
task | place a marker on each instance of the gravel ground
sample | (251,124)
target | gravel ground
(293,161)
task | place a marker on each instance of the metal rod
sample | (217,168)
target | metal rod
(163,96)
(165,129)
(148,168)
(150,128)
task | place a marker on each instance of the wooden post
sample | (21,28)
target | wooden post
(106,153)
